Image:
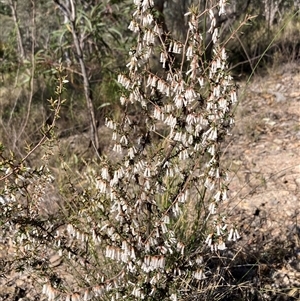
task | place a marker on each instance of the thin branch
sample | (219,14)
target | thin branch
(33,36)
(13,7)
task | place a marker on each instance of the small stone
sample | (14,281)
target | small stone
(278,141)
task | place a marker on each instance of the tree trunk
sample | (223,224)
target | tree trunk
(13,7)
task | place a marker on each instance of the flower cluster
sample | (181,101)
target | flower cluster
(185,111)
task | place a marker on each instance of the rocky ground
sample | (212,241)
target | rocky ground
(263,155)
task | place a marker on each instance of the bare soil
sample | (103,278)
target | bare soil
(264,158)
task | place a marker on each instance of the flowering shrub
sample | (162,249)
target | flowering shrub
(149,212)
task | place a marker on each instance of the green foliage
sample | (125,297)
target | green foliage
(5,9)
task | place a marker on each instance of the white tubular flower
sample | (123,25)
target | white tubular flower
(163,87)
(201,81)
(105,174)
(123,100)
(213,69)
(193,24)
(87,295)
(223,54)
(49,291)
(223,104)
(213,21)
(135,96)
(145,4)
(222,10)
(236,234)
(208,240)
(189,53)
(170,172)
(133,64)
(221,245)
(213,135)
(132,253)
(163,59)
(218,196)
(233,235)
(149,37)
(149,80)
(154,81)
(102,186)
(183,197)
(215,35)
(147,185)
(209,183)
(147,19)
(216,91)
(147,172)
(212,149)
(164,228)
(147,52)
(233,97)
(224,194)
(114,136)
(212,208)
(131,152)
(179,87)
(191,27)
(125,82)
(133,26)
(137,293)
(124,140)
(219,230)
(170,121)
(194,67)
(157,113)
(117,148)
(191,119)
(211,14)
(177,136)
(183,155)
(177,48)
(179,101)
(199,274)
(190,94)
